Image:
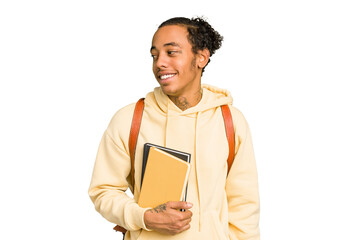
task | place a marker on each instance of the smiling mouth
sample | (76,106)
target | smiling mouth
(166,76)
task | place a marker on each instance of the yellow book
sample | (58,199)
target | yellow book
(165,179)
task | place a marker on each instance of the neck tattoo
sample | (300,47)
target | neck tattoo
(182,103)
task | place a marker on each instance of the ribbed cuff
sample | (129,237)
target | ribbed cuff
(143,221)
(134,217)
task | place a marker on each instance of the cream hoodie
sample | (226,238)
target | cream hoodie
(224,207)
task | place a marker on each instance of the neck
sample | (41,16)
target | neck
(187,101)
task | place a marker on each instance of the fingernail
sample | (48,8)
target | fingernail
(189,204)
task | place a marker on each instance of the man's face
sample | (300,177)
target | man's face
(175,66)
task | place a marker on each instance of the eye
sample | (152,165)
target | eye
(153,56)
(170,52)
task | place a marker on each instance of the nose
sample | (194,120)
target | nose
(161,61)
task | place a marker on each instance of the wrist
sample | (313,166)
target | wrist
(147,220)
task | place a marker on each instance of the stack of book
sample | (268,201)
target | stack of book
(165,173)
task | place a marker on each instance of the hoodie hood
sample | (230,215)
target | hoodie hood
(212,97)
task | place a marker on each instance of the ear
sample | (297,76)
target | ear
(203,57)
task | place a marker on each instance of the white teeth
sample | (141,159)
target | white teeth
(166,76)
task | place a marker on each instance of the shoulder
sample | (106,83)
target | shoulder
(121,121)
(122,116)
(119,126)
(237,115)
(241,126)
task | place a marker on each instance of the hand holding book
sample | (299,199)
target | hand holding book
(166,218)
(163,184)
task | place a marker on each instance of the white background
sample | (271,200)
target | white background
(292,66)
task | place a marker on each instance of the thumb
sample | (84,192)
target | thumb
(180,205)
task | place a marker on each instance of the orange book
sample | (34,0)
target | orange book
(164,180)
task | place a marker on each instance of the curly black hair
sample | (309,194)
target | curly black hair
(201,34)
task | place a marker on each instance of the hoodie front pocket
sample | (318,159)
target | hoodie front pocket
(217,226)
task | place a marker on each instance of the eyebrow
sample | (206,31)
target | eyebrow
(174,44)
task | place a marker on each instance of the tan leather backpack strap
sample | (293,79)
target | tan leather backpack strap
(120,229)
(134,133)
(230,134)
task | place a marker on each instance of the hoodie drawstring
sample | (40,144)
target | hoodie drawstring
(197,171)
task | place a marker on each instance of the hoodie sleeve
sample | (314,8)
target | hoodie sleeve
(242,186)
(109,181)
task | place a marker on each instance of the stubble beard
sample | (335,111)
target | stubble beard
(181,101)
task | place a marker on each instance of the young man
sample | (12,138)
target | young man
(181,114)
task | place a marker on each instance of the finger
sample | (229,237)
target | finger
(180,205)
(180,227)
(186,221)
(187,214)
(185,227)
